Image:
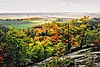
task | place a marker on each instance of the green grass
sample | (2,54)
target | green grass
(21,24)
(24,24)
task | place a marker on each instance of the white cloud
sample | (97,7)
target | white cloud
(50,6)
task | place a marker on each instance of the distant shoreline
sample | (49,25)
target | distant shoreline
(47,15)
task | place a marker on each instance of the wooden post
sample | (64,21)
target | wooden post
(69,44)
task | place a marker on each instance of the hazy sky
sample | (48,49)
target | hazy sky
(49,6)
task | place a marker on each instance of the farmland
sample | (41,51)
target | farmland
(20,24)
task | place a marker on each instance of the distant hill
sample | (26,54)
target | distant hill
(58,14)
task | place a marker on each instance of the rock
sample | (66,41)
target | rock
(80,51)
(79,56)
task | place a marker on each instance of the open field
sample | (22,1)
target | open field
(21,24)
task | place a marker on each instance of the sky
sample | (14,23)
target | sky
(25,6)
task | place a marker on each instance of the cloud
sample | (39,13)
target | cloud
(50,6)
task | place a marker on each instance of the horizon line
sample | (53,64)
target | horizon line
(47,12)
